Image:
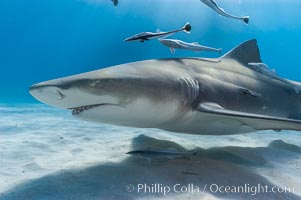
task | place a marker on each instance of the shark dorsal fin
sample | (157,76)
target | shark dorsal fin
(245,53)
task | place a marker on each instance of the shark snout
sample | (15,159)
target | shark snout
(49,94)
(70,92)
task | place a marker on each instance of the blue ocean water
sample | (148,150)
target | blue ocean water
(42,40)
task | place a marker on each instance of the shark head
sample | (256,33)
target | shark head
(134,94)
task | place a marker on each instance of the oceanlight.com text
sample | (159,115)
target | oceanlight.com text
(157,188)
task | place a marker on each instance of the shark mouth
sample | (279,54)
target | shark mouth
(80,109)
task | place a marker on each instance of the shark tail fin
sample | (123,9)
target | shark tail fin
(187,28)
(246,19)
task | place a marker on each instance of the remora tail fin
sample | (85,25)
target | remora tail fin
(246,52)
(246,19)
(187,28)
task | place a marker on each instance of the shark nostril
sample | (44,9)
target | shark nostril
(50,91)
(62,96)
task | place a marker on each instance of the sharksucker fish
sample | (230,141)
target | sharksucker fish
(144,36)
(178,44)
(160,153)
(213,5)
(186,95)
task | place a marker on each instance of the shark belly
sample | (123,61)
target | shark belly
(136,111)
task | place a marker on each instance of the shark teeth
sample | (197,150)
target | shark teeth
(78,110)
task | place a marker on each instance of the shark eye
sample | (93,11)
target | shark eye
(92,83)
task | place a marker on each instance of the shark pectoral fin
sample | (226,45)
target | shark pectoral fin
(256,121)
(172,50)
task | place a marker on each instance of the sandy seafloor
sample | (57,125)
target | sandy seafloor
(45,153)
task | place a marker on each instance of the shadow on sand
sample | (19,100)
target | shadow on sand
(226,166)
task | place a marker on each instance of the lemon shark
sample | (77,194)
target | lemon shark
(187,95)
